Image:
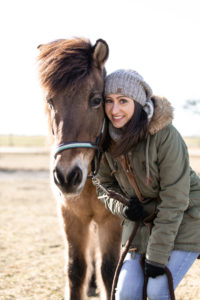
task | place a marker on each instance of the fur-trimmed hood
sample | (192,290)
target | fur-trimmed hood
(163,114)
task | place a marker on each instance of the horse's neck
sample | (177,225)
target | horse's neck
(89,189)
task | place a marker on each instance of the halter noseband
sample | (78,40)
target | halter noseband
(66,146)
(98,152)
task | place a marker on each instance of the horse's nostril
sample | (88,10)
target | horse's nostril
(75,177)
(69,182)
(58,177)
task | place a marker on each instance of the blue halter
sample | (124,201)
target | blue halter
(66,146)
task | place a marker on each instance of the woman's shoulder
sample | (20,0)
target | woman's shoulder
(169,137)
(169,131)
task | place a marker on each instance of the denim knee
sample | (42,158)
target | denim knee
(131,291)
(157,288)
(126,295)
(131,279)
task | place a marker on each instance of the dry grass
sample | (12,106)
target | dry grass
(24,161)
(23,141)
(31,248)
(32,257)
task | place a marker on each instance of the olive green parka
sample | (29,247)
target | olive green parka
(173,186)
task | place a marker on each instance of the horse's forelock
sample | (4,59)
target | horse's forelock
(64,62)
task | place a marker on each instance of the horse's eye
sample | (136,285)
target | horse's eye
(95,102)
(50,103)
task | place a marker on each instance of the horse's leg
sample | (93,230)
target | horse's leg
(92,249)
(76,230)
(109,231)
(92,284)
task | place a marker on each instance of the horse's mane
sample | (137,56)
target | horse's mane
(63,62)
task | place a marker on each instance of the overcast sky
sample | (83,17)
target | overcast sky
(158,38)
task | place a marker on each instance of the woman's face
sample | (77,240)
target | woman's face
(119,109)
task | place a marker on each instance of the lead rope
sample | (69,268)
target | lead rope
(126,202)
(124,164)
(127,168)
(121,260)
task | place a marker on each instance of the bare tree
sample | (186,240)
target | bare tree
(192,105)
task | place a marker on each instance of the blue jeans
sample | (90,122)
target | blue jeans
(131,277)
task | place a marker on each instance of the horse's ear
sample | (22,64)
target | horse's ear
(101,52)
(39,46)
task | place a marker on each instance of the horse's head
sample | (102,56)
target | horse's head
(72,75)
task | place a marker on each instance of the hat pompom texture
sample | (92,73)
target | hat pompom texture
(128,83)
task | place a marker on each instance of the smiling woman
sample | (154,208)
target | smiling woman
(119,109)
(147,161)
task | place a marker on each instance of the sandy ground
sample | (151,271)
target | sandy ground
(31,245)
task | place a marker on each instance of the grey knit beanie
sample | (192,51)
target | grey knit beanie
(128,83)
(131,84)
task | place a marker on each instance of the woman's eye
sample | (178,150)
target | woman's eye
(95,102)
(123,101)
(108,101)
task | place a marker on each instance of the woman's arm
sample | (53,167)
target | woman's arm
(110,183)
(174,173)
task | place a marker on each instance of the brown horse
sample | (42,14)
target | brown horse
(72,75)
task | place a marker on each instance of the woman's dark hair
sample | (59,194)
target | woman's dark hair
(132,133)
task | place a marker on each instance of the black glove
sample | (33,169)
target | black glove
(152,269)
(135,211)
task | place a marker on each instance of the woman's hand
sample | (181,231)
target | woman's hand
(152,269)
(135,211)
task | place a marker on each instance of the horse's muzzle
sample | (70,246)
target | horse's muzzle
(69,182)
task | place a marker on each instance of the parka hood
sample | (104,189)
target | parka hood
(163,114)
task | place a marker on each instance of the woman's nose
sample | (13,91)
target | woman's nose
(115,108)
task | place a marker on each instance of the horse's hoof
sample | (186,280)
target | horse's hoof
(92,292)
